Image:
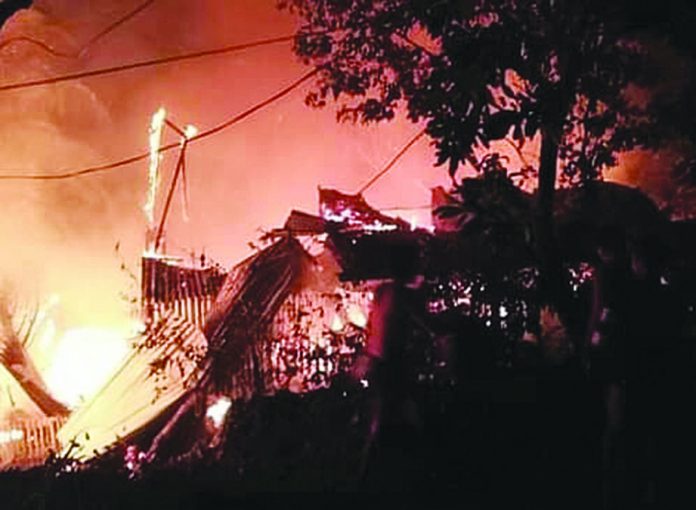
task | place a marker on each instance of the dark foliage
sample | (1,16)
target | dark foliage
(568,74)
(478,71)
(533,444)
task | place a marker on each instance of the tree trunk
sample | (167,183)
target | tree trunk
(553,289)
(547,248)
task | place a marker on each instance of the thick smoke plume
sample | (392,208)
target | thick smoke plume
(59,237)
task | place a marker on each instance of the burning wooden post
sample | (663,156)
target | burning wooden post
(153,177)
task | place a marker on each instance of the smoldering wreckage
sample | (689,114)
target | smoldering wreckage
(291,318)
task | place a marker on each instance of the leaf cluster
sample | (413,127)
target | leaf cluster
(478,71)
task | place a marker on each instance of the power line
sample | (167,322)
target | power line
(99,35)
(116,24)
(145,155)
(255,108)
(145,63)
(394,160)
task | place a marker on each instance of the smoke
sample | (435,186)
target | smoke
(59,236)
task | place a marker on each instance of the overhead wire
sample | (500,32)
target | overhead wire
(145,63)
(116,24)
(75,54)
(145,155)
(204,134)
(391,163)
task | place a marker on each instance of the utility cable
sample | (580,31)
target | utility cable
(145,63)
(391,164)
(116,24)
(145,155)
(404,208)
(100,35)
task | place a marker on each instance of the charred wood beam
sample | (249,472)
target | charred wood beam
(15,358)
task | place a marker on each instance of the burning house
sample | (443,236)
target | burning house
(288,318)
(291,317)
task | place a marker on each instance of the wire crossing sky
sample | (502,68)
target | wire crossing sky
(69,174)
(145,63)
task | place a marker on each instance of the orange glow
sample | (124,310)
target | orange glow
(11,436)
(246,178)
(651,173)
(83,360)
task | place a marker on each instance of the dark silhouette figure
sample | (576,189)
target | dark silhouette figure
(607,343)
(393,457)
(634,327)
(652,334)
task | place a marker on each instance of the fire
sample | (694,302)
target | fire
(356,316)
(217,411)
(11,436)
(156,126)
(190,131)
(83,360)
(336,324)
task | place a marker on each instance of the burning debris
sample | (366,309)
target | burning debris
(283,320)
(28,429)
(287,321)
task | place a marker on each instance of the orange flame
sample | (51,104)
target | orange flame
(156,126)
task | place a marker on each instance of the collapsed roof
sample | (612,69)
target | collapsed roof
(361,239)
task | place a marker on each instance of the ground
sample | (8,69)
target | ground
(510,443)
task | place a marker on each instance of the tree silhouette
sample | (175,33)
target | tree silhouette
(564,73)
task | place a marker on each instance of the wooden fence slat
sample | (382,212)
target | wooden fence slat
(38,438)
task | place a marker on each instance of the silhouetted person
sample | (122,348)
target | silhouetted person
(607,342)
(393,456)
(652,331)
